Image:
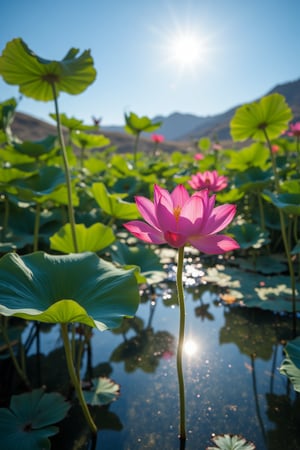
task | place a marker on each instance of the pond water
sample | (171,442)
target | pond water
(232,381)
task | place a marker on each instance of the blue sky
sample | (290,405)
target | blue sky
(244,48)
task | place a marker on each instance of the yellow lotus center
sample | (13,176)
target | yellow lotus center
(176,212)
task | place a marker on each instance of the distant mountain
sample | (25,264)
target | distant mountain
(28,128)
(187,127)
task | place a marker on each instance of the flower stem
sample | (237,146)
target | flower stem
(67,172)
(180,294)
(75,380)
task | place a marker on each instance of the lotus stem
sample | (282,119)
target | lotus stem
(36,227)
(75,380)
(180,294)
(21,373)
(284,238)
(67,171)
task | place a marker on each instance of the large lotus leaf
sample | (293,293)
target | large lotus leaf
(36,148)
(93,239)
(103,392)
(253,179)
(255,155)
(289,369)
(95,165)
(88,141)
(27,422)
(289,203)
(113,205)
(36,76)
(9,174)
(66,288)
(141,256)
(250,235)
(71,123)
(270,116)
(229,442)
(136,124)
(291,186)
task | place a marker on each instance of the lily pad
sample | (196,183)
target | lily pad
(102,392)
(231,442)
(28,422)
(67,288)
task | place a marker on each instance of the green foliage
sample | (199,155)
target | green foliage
(113,205)
(270,116)
(256,155)
(135,124)
(102,392)
(92,239)
(29,420)
(36,76)
(64,289)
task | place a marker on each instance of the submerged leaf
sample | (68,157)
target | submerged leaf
(103,392)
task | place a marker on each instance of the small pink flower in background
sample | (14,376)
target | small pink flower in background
(208,180)
(198,156)
(217,147)
(157,138)
(178,219)
(275,148)
(294,129)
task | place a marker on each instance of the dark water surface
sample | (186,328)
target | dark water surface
(231,377)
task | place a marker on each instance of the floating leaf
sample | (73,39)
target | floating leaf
(249,235)
(231,442)
(289,369)
(66,288)
(270,116)
(36,76)
(93,239)
(27,423)
(289,203)
(102,392)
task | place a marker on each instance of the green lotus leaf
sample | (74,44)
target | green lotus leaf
(66,288)
(292,350)
(289,369)
(103,392)
(291,186)
(72,124)
(36,76)
(113,205)
(249,235)
(27,422)
(289,203)
(37,148)
(253,179)
(269,116)
(255,155)
(229,442)
(88,141)
(135,124)
(93,239)
(48,184)
(10,173)
(7,115)
(141,256)
(95,165)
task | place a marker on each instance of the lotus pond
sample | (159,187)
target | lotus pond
(179,330)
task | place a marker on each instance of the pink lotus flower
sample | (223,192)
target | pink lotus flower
(275,148)
(208,180)
(294,129)
(178,219)
(198,156)
(157,138)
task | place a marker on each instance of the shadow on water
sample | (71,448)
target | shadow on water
(233,384)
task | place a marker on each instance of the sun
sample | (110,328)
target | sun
(185,50)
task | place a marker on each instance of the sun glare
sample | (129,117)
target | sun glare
(185,50)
